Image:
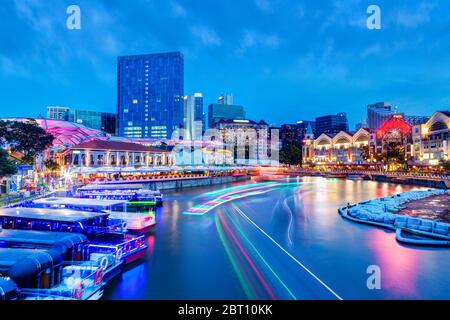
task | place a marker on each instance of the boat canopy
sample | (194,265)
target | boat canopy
(93,187)
(25,270)
(40,239)
(9,257)
(8,289)
(53,215)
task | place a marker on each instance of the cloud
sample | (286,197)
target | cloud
(10,68)
(409,17)
(374,49)
(206,35)
(252,39)
(264,5)
(177,9)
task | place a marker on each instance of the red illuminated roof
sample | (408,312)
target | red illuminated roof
(395,123)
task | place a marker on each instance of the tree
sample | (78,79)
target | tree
(395,153)
(27,138)
(445,164)
(51,165)
(7,166)
(291,153)
(365,153)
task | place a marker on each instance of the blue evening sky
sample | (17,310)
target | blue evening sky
(284,60)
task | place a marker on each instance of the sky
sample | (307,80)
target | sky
(284,60)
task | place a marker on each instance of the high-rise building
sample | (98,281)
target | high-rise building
(331,124)
(217,112)
(377,114)
(289,134)
(225,98)
(150,95)
(103,121)
(304,126)
(59,113)
(193,116)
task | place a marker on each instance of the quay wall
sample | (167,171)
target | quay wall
(428,183)
(180,184)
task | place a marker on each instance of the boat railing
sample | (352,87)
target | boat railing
(78,280)
(120,250)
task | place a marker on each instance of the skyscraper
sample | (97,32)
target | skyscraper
(377,114)
(193,116)
(150,95)
(331,124)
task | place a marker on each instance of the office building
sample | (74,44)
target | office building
(103,121)
(193,116)
(225,98)
(246,139)
(378,113)
(331,124)
(59,113)
(217,112)
(150,95)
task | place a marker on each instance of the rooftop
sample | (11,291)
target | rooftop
(62,215)
(35,237)
(97,144)
(80,202)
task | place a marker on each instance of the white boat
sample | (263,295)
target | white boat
(135,193)
(137,221)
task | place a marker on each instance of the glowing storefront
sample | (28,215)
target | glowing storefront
(431,139)
(343,148)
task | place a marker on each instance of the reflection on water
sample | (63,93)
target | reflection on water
(281,240)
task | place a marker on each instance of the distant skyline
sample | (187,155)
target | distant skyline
(283,60)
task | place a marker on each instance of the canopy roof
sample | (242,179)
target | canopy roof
(38,237)
(9,257)
(60,215)
(80,202)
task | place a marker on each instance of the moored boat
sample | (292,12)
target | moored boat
(104,236)
(136,220)
(135,193)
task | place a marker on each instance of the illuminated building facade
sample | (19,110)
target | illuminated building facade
(105,153)
(431,139)
(343,148)
(150,95)
(247,139)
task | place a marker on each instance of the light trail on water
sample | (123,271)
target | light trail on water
(287,253)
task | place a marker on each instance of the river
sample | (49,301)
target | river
(278,240)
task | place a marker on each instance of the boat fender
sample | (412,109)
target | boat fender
(104,263)
(139,243)
(128,247)
(98,276)
(124,225)
(119,254)
(79,291)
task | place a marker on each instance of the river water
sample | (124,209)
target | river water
(279,240)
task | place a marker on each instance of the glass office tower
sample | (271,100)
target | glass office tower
(332,124)
(150,95)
